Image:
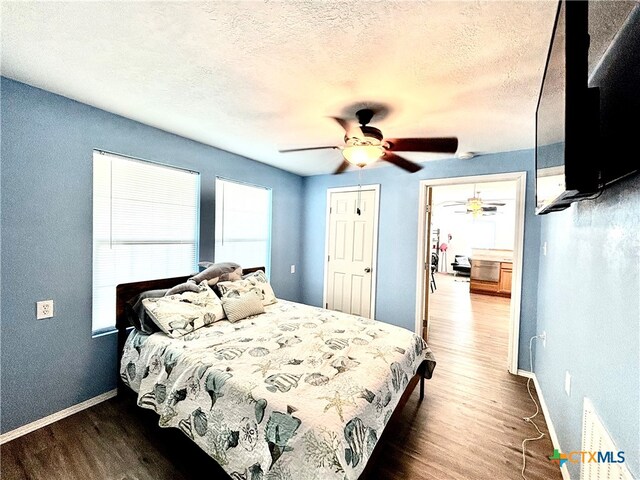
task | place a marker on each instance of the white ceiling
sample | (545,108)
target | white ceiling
(253,77)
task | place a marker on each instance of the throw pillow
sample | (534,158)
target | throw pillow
(137,314)
(179,314)
(254,281)
(243,305)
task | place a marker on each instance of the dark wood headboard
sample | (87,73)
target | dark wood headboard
(126,291)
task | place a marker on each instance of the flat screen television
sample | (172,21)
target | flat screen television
(586,126)
(567,140)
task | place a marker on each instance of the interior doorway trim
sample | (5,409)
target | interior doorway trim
(374,256)
(518,248)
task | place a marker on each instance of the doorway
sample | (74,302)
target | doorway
(351,249)
(427,247)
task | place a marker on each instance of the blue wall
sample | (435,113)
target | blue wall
(589,288)
(587,298)
(589,305)
(398,234)
(46,202)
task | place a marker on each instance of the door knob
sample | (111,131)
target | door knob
(367,270)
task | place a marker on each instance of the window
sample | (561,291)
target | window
(145,226)
(243,224)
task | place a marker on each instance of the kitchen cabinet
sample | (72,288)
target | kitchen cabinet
(504,283)
(491,277)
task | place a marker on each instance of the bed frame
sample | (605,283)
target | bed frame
(126,291)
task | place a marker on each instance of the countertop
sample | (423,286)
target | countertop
(491,255)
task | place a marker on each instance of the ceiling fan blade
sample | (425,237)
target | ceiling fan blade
(403,163)
(343,166)
(497,204)
(349,129)
(304,149)
(438,145)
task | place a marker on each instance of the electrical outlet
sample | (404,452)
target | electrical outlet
(293,269)
(567,383)
(44,309)
(544,339)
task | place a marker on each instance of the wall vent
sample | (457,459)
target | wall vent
(595,438)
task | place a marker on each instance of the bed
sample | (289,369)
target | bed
(297,392)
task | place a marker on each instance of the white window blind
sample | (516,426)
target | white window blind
(243,224)
(145,226)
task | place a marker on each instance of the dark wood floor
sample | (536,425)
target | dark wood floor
(470,424)
(468,427)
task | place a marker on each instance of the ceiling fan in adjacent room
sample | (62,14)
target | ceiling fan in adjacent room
(365,144)
(475,205)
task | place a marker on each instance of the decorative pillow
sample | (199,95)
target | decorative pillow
(253,281)
(214,273)
(242,305)
(137,314)
(179,314)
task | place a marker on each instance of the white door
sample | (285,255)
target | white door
(350,253)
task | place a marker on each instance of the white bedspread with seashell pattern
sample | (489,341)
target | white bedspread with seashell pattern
(298,392)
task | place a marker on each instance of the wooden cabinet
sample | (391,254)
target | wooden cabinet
(501,287)
(483,286)
(504,284)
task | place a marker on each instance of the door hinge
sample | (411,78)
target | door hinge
(328,257)
(428,208)
(326,305)
(330,210)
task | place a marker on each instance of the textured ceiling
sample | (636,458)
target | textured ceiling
(253,77)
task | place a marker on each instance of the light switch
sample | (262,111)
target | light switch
(293,269)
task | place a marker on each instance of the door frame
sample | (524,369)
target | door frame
(518,249)
(374,260)
(426,273)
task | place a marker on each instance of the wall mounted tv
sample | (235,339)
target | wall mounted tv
(585,126)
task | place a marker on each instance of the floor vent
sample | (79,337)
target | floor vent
(595,438)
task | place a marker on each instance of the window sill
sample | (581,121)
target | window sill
(103,332)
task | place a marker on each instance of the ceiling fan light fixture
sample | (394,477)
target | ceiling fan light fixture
(365,144)
(362,155)
(474,204)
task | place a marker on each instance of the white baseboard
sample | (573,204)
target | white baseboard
(54,417)
(547,418)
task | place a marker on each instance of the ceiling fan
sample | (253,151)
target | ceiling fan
(475,205)
(365,144)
